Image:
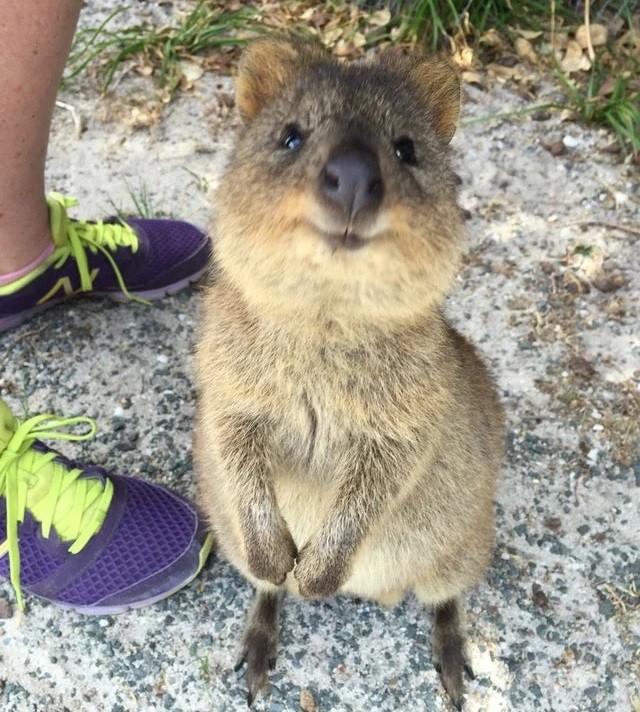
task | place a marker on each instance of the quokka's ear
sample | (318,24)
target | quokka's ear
(267,66)
(436,79)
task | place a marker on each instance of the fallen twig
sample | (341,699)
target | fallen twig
(78,119)
(603,223)
(587,25)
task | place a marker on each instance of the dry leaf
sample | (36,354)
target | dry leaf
(190,70)
(146,70)
(142,117)
(608,87)
(587,263)
(529,34)
(498,70)
(492,38)
(560,40)
(574,59)
(345,49)
(380,18)
(359,40)
(464,57)
(473,78)
(630,38)
(598,35)
(330,37)
(524,50)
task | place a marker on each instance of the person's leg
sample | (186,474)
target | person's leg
(35,38)
(47,257)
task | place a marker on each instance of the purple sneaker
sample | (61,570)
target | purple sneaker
(138,259)
(83,538)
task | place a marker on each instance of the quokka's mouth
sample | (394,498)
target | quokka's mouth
(348,240)
(342,234)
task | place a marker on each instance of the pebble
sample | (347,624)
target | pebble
(307,701)
(571,141)
(556,148)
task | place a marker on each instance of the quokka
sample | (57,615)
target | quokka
(348,439)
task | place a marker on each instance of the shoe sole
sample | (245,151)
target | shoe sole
(98,610)
(9,322)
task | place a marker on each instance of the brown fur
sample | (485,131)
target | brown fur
(348,439)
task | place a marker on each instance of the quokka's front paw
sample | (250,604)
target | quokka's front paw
(318,576)
(272,555)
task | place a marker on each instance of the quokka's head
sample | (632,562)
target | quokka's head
(338,195)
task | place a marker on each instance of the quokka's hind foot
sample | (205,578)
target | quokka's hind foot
(259,643)
(449,656)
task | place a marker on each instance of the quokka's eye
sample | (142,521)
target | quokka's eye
(406,151)
(292,137)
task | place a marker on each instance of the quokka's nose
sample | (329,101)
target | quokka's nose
(351,179)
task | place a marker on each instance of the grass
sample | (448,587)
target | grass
(205,669)
(199,182)
(509,114)
(208,26)
(429,20)
(142,203)
(619,110)
(606,95)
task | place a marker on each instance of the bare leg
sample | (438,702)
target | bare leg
(447,641)
(260,641)
(35,38)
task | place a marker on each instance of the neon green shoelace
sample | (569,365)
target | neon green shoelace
(50,491)
(73,238)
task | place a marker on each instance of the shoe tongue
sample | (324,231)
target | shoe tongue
(59,222)
(8,425)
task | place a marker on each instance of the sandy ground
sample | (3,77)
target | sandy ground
(554,307)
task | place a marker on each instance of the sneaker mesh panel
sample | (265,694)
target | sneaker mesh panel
(36,564)
(155,530)
(170,242)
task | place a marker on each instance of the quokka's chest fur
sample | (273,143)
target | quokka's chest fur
(322,388)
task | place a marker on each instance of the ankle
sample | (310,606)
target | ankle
(14,267)
(25,232)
